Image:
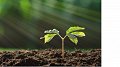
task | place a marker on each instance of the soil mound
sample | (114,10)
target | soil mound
(50,57)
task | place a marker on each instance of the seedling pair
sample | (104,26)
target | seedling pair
(72,33)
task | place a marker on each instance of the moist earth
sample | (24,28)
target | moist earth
(50,57)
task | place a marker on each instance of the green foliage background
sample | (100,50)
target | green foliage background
(22,22)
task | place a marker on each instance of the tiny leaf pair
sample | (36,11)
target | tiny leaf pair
(72,33)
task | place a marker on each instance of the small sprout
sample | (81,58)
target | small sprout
(72,33)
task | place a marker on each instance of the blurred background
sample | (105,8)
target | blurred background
(23,22)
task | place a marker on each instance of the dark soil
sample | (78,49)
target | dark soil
(50,57)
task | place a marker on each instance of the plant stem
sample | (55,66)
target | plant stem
(65,36)
(60,36)
(62,47)
(62,44)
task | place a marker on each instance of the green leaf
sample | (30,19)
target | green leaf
(73,38)
(48,37)
(54,31)
(79,34)
(73,29)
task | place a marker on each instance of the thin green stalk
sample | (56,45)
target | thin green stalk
(62,47)
(62,44)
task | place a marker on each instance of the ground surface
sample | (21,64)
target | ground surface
(50,57)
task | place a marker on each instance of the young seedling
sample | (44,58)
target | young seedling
(72,33)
